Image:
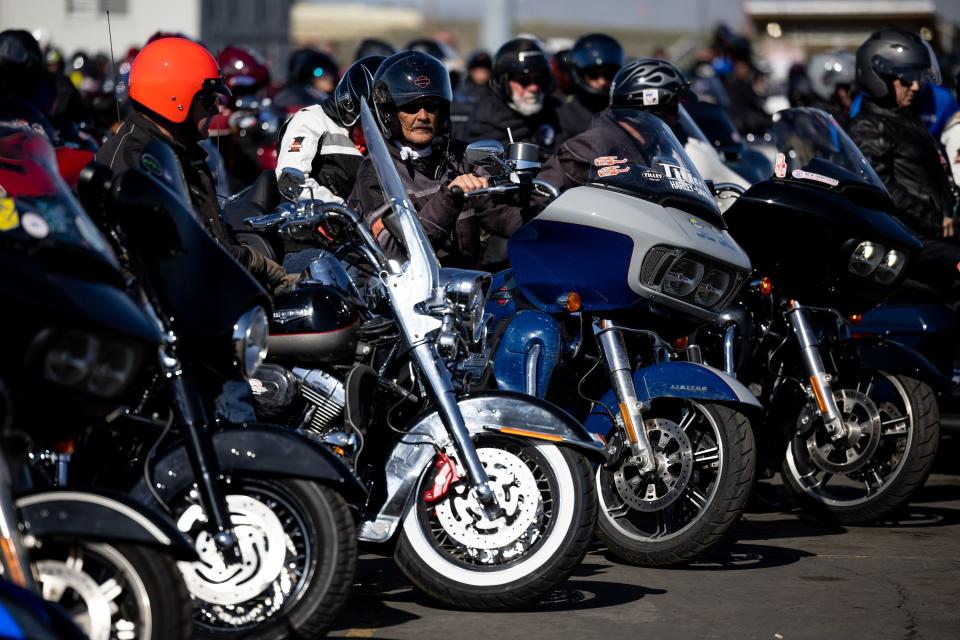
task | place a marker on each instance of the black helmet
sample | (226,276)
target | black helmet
(355,86)
(403,78)
(374,47)
(894,53)
(21,62)
(520,56)
(649,84)
(591,51)
(306,64)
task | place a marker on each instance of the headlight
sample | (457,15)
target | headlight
(467,291)
(89,363)
(682,277)
(890,267)
(250,340)
(865,259)
(712,288)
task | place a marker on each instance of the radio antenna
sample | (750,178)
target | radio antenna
(113,62)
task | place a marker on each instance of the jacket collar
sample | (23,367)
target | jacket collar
(144,123)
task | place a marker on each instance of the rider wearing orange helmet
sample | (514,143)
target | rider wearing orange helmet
(174,86)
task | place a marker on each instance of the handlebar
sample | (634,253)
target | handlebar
(541,186)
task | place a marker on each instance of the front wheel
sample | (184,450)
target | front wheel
(298,551)
(893,430)
(454,553)
(115,592)
(673,516)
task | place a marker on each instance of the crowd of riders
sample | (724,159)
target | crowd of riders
(229,120)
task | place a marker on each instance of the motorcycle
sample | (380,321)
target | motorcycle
(266,507)
(486,495)
(852,420)
(75,343)
(609,274)
(746,160)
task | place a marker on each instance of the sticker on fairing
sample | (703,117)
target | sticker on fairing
(608,161)
(9,218)
(151,165)
(651,175)
(34,225)
(800,174)
(606,172)
(780,166)
(651,97)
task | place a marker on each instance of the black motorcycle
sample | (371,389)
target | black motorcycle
(852,420)
(75,346)
(265,506)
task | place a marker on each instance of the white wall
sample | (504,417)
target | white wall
(142,19)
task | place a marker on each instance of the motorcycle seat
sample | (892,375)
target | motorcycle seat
(260,198)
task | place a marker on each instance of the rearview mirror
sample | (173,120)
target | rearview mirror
(290,183)
(483,152)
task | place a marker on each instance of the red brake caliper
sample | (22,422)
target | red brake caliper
(445,478)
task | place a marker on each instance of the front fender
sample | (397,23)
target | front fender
(95,516)
(256,450)
(675,380)
(505,412)
(875,353)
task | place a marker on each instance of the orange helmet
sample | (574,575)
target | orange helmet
(169,72)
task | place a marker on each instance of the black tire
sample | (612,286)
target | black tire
(167,611)
(626,530)
(311,607)
(905,462)
(565,475)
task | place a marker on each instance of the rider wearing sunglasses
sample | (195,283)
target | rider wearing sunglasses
(174,87)
(593,62)
(411,99)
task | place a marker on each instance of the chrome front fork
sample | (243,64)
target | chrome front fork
(15,563)
(621,379)
(816,373)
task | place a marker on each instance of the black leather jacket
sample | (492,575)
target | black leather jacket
(910,162)
(491,117)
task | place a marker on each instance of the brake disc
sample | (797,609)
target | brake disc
(674,453)
(56,577)
(862,419)
(463,518)
(262,545)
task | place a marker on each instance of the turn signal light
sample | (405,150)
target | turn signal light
(682,342)
(766,286)
(570,301)
(856,318)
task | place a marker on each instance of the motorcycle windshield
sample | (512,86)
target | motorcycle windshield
(716,125)
(812,148)
(38,213)
(635,152)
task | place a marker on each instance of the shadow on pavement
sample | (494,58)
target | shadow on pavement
(738,557)
(916,516)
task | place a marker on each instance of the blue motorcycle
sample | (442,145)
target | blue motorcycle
(602,282)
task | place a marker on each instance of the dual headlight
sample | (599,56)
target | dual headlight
(250,335)
(688,277)
(86,362)
(869,259)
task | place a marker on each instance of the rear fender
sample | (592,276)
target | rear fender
(512,414)
(255,450)
(686,380)
(94,516)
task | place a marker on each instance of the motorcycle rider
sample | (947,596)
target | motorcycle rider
(174,86)
(311,77)
(594,61)
(647,84)
(519,98)
(325,140)
(891,65)
(411,100)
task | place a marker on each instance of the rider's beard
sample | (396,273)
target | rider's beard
(527,104)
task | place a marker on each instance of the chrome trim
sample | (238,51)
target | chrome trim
(532,365)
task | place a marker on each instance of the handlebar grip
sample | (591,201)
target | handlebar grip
(457,194)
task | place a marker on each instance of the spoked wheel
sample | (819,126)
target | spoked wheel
(893,428)
(115,592)
(452,551)
(705,465)
(297,558)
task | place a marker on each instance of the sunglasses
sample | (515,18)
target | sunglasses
(430,105)
(595,73)
(527,80)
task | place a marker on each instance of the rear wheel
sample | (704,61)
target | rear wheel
(704,473)
(894,429)
(454,553)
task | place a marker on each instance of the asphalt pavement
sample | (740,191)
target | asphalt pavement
(783,576)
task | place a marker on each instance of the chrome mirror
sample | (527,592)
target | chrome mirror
(484,152)
(290,183)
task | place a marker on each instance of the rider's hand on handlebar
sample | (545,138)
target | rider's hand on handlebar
(948,228)
(468,182)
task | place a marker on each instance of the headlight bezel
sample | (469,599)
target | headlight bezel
(249,339)
(888,274)
(466,291)
(660,259)
(865,258)
(106,368)
(879,269)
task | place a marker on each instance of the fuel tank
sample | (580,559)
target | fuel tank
(313,324)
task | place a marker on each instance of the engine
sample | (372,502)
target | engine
(325,395)
(275,388)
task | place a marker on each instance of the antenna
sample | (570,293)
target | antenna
(113,62)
